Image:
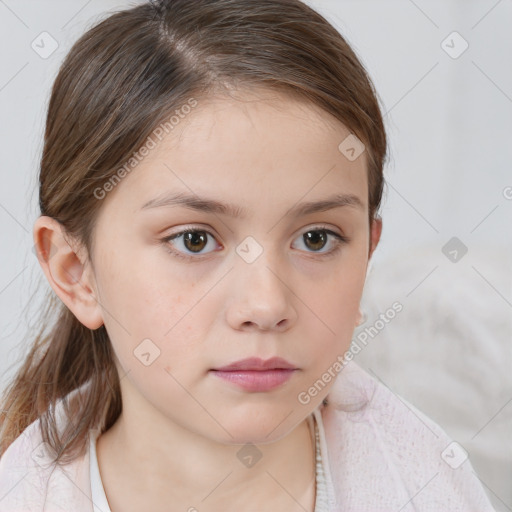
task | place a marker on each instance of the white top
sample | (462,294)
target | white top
(323,490)
(99,499)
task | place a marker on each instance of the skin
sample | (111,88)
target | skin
(177,438)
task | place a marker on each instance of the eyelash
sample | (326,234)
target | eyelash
(340,240)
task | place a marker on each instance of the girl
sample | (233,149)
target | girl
(209,192)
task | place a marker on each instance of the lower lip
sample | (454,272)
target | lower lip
(252,380)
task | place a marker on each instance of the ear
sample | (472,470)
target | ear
(65,266)
(375,232)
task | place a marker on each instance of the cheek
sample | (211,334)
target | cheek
(147,320)
(339,293)
(138,294)
(333,309)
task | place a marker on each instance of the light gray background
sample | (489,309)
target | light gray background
(449,122)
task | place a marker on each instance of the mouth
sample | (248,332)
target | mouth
(256,375)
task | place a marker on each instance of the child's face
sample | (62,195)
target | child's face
(243,287)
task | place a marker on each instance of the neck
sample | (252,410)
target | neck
(174,465)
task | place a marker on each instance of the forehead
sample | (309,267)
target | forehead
(265,145)
(259,114)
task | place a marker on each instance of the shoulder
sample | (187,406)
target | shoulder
(29,480)
(380,445)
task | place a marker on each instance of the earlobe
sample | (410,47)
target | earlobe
(66,270)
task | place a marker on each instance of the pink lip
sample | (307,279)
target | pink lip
(257,364)
(254,374)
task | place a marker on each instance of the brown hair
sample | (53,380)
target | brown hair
(120,80)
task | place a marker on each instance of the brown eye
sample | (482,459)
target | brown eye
(195,241)
(321,241)
(190,242)
(315,240)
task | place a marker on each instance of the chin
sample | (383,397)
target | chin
(261,427)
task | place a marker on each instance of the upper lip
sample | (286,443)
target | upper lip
(257,364)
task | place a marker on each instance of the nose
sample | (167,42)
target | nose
(262,299)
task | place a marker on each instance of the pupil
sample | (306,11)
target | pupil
(315,237)
(195,237)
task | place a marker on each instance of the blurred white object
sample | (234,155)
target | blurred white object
(449,350)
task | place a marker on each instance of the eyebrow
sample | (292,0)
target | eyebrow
(207,205)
